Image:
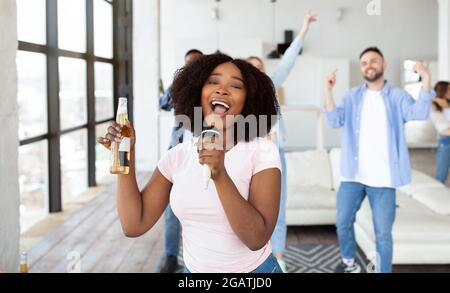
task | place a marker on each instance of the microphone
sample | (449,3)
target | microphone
(210,131)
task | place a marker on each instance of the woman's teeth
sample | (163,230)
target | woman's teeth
(220,107)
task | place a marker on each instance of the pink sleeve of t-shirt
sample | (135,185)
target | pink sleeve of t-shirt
(165,166)
(168,163)
(266,156)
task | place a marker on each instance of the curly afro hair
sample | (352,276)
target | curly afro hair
(261,98)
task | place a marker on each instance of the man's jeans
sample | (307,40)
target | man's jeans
(383,203)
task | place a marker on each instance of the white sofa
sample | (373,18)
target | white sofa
(422,228)
(311,199)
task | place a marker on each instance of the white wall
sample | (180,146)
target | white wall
(444,39)
(306,87)
(9,143)
(405,28)
(145,74)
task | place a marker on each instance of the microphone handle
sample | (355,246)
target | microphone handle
(206,169)
(206,176)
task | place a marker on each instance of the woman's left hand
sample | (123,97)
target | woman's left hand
(213,155)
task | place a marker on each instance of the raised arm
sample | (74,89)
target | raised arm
(287,62)
(334,115)
(309,18)
(138,210)
(419,109)
(424,73)
(330,83)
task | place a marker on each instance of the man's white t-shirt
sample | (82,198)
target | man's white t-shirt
(373,158)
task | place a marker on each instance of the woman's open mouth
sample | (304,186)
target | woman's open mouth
(220,108)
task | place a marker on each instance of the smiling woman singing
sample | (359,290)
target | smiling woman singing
(226,227)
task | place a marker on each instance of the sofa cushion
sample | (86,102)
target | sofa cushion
(414,223)
(420,180)
(335,161)
(310,168)
(310,197)
(435,198)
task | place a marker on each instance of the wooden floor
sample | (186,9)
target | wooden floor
(94,233)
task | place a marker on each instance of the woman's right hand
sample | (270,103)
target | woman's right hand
(115,134)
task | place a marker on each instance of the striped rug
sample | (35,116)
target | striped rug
(316,258)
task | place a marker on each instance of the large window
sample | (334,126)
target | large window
(32,94)
(33,183)
(72,92)
(104,81)
(72,25)
(103,36)
(74,165)
(31,24)
(72,62)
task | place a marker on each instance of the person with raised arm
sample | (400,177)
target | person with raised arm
(374,154)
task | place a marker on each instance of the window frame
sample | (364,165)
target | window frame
(122,86)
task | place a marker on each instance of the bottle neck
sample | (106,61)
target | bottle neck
(122,113)
(123,108)
(23,258)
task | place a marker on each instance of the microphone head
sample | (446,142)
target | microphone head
(210,131)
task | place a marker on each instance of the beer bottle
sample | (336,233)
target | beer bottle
(120,151)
